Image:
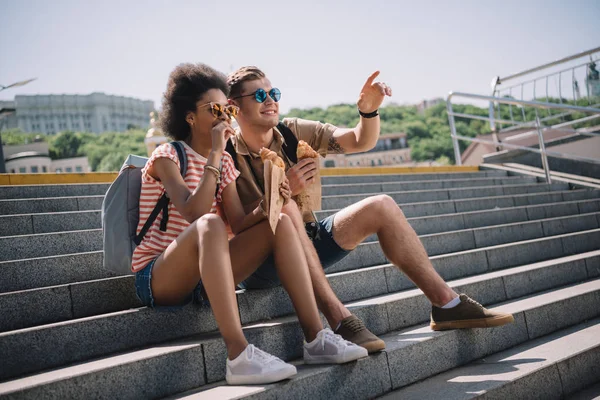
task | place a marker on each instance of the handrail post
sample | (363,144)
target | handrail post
(542,148)
(457,157)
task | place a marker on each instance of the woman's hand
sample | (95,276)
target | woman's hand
(285,191)
(220,134)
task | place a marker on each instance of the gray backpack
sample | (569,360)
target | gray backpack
(121,212)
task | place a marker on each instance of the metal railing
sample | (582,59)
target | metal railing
(539,127)
(554,97)
(554,84)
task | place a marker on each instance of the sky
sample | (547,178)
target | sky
(317,53)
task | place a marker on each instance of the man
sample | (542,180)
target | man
(334,237)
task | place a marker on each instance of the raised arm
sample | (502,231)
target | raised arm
(364,136)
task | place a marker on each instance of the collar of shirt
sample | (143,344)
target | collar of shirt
(241,147)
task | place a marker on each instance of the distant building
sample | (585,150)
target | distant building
(8,118)
(425,104)
(391,149)
(34,158)
(96,113)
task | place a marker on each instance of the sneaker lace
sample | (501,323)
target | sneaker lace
(337,340)
(355,325)
(261,355)
(470,300)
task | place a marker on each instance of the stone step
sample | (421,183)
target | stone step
(418,353)
(378,187)
(83,203)
(58,270)
(200,360)
(553,366)
(60,190)
(417,196)
(80,339)
(366,254)
(589,393)
(50,271)
(50,205)
(431,208)
(45,305)
(49,244)
(86,189)
(27,224)
(469,240)
(358,179)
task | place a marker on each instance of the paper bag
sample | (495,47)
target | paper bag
(273,177)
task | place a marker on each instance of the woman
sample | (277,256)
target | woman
(194,252)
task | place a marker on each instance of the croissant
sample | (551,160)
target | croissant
(305,151)
(266,154)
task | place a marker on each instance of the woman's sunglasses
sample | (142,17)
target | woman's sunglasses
(218,109)
(261,95)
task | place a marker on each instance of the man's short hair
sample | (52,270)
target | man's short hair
(241,75)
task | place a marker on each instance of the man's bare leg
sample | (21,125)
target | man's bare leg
(327,301)
(400,243)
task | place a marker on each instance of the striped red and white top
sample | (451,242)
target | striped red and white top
(155,241)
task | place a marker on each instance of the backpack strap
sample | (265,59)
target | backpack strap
(163,202)
(290,142)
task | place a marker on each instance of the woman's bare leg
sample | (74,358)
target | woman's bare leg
(202,250)
(292,269)
(250,248)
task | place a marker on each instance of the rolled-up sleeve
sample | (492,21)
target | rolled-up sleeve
(315,133)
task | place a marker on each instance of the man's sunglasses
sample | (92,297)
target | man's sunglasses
(261,95)
(218,109)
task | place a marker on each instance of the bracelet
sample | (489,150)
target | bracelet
(215,171)
(369,115)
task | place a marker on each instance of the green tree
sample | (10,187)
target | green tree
(17,137)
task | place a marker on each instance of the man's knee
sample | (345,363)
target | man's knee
(383,205)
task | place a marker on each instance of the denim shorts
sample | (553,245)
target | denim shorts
(143,290)
(328,250)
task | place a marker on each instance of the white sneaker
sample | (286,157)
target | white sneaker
(329,348)
(254,366)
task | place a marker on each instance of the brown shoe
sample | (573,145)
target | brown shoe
(468,314)
(354,330)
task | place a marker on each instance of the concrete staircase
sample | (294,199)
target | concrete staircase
(69,329)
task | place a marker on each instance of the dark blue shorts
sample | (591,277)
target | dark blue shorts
(143,290)
(328,250)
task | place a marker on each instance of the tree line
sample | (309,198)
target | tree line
(428,133)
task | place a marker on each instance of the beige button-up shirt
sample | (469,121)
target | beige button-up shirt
(250,183)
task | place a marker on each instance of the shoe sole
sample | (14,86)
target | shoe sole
(473,323)
(260,379)
(373,346)
(332,359)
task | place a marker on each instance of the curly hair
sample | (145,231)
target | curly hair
(241,75)
(187,84)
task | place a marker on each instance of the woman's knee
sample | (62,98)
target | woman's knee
(285,224)
(210,223)
(291,208)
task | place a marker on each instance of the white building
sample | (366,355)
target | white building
(391,149)
(33,158)
(96,112)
